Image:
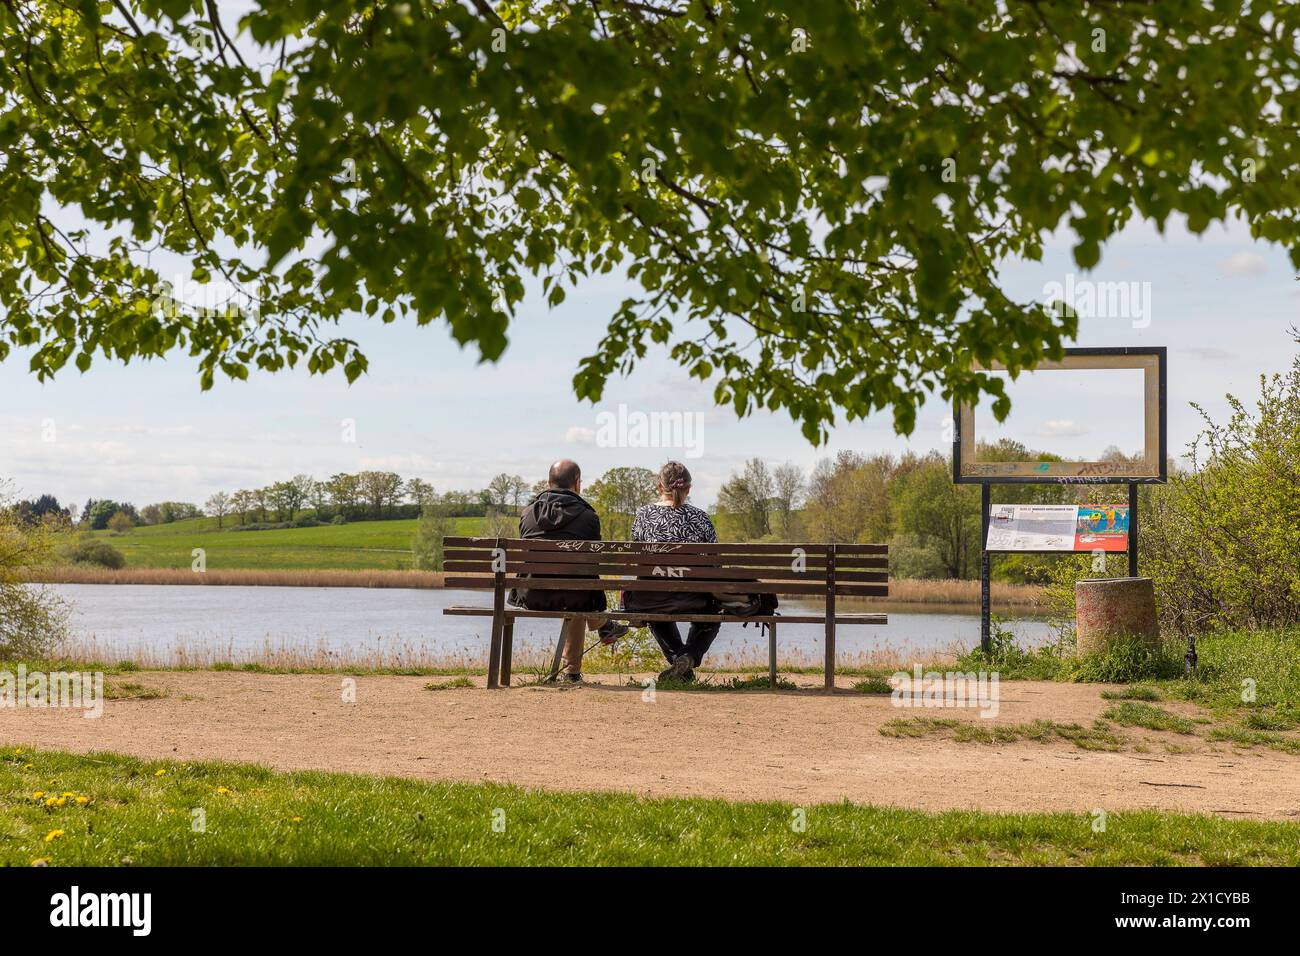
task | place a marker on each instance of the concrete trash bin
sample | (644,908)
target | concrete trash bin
(1109,609)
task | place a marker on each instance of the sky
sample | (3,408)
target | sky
(1221,302)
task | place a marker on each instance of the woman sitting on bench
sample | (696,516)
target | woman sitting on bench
(672,519)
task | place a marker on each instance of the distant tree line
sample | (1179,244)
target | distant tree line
(44,509)
(122,516)
(368,495)
(364,495)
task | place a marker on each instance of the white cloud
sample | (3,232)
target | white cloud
(1243,264)
(580,435)
(1062,428)
(153,431)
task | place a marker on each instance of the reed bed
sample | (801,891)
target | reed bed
(400,657)
(395,656)
(962,592)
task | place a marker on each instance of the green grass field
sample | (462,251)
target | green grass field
(359,545)
(117,811)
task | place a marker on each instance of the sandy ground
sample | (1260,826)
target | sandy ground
(801,746)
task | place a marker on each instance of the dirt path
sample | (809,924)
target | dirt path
(799,746)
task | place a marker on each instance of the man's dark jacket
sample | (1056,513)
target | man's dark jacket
(558,514)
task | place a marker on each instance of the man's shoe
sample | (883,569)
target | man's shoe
(682,669)
(571,679)
(611,631)
(667,677)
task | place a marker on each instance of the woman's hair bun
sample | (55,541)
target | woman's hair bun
(676,480)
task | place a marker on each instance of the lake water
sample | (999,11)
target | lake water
(205,623)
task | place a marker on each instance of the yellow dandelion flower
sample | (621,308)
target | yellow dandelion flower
(297,819)
(61,802)
(82,801)
(68,793)
(18,751)
(53,835)
(29,766)
(38,794)
(160,772)
(49,801)
(41,861)
(223,790)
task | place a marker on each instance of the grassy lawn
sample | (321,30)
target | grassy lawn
(118,810)
(1247,683)
(360,545)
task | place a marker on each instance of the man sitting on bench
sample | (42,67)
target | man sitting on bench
(560,513)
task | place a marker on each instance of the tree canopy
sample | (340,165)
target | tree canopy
(813,197)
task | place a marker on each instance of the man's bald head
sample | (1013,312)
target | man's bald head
(564,474)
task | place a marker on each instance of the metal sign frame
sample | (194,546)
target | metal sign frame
(1153,360)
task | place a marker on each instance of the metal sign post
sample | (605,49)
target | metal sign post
(1132,531)
(986,508)
(986,602)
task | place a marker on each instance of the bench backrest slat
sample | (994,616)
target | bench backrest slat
(661,547)
(784,559)
(660,584)
(484,566)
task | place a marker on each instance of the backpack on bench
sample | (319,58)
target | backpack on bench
(746,605)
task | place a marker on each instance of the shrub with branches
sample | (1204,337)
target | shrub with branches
(33,619)
(1222,541)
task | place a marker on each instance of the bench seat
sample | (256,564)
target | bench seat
(632,616)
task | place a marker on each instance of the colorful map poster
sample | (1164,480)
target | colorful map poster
(1058,528)
(1102,528)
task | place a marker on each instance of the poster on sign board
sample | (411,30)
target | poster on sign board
(1058,528)
(1102,528)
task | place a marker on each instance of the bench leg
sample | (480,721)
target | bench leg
(559,653)
(771,655)
(498,627)
(830,653)
(494,658)
(830,619)
(507,651)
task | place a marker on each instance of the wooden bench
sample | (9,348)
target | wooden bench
(801,570)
